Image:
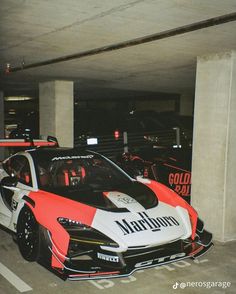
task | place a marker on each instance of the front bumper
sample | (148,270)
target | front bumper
(95,263)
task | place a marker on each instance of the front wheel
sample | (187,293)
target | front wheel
(28,234)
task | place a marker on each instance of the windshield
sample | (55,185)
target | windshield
(80,172)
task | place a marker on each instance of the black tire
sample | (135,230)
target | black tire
(28,235)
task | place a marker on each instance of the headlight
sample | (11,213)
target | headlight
(69,224)
(85,234)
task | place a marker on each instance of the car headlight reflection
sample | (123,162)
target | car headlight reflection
(68,223)
(85,234)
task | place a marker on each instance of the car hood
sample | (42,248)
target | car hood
(134,217)
(140,227)
(121,197)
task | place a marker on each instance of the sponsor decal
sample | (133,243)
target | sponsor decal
(164,259)
(181,182)
(126,199)
(146,223)
(73,157)
(14,204)
(107,257)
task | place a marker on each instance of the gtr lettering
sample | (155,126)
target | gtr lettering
(163,259)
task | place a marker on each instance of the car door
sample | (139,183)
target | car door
(18,168)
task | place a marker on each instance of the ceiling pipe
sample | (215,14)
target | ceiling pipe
(133,42)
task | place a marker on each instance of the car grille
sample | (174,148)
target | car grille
(137,251)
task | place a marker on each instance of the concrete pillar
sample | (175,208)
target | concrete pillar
(56,111)
(186,104)
(214,141)
(2,125)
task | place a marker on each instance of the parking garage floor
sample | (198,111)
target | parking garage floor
(213,273)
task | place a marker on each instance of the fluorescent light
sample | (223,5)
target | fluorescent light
(18,98)
(92,141)
(11,111)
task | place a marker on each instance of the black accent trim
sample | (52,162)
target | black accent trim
(205,238)
(133,260)
(200,225)
(29,200)
(53,139)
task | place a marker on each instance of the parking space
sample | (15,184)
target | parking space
(214,271)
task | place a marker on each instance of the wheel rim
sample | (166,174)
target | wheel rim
(27,234)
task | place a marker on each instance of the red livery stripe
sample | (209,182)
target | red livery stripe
(22,143)
(48,207)
(170,197)
(95,274)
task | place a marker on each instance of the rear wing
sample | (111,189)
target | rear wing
(27,142)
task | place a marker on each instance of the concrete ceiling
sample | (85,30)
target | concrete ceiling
(37,30)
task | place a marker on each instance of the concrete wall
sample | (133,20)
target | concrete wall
(186,104)
(214,141)
(56,110)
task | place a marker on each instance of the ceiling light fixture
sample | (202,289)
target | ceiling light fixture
(12,111)
(18,98)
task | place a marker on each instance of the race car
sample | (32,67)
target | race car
(170,166)
(82,217)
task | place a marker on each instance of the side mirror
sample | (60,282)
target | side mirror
(10,182)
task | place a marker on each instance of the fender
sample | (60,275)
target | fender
(170,197)
(55,206)
(29,200)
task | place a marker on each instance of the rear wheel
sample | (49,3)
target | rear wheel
(28,235)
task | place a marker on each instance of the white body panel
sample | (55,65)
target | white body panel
(8,218)
(107,222)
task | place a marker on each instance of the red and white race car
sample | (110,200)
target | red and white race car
(82,217)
